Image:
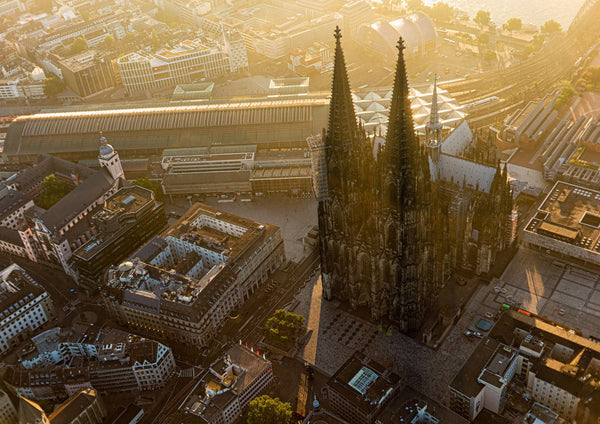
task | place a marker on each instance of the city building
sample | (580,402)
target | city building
(559,367)
(567,223)
(53,234)
(84,407)
(273,29)
(322,416)
(361,389)
(396,218)
(87,73)
(531,123)
(315,58)
(9,7)
(115,22)
(129,218)
(31,412)
(410,406)
(183,285)
(191,61)
(226,389)
(8,413)
(483,382)
(540,414)
(235,169)
(356,13)
(24,307)
(107,360)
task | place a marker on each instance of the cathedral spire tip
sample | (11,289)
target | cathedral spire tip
(401,46)
(337,33)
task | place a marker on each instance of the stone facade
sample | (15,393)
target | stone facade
(392,230)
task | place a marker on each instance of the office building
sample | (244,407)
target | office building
(128,219)
(192,61)
(567,223)
(183,285)
(87,73)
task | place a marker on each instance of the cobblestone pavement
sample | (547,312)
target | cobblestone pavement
(336,334)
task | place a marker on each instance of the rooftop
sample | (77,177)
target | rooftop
(17,289)
(81,61)
(570,214)
(73,407)
(364,382)
(226,378)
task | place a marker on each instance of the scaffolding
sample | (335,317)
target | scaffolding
(318,161)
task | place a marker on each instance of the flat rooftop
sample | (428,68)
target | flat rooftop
(128,199)
(364,382)
(570,213)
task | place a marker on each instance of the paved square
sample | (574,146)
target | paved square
(336,334)
(294,216)
(563,292)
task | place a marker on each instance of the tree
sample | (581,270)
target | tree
(156,41)
(150,185)
(442,12)
(482,18)
(108,42)
(283,327)
(483,39)
(489,55)
(79,45)
(129,37)
(592,75)
(53,190)
(266,410)
(550,27)
(53,86)
(415,5)
(567,91)
(513,24)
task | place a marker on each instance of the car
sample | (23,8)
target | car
(73,291)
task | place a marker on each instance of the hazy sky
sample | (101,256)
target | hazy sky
(531,11)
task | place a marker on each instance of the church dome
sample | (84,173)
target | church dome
(105,148)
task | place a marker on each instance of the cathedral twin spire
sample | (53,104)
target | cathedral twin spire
(343,129)
(401,151)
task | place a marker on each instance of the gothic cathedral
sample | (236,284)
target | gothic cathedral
(385,225)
